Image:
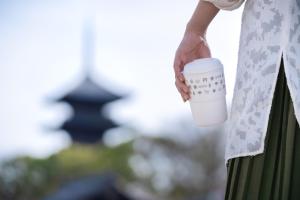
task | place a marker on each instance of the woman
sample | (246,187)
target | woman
(262,152)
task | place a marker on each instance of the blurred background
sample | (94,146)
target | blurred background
(89,108)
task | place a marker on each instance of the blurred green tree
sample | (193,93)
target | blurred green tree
(182,163)
(27,178)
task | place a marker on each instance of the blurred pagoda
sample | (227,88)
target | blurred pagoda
(88,122)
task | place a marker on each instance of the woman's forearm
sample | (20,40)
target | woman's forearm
(201,18)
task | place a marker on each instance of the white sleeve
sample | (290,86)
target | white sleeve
(226,4)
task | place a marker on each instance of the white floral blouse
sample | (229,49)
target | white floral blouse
(270,30)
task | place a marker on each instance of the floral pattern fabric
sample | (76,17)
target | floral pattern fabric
(270,30)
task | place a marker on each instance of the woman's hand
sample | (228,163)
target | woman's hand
(192,46)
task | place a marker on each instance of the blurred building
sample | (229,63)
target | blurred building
(87,124)
(88,121)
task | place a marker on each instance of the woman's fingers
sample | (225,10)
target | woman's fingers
(183,89)
(178,68)
(183,95)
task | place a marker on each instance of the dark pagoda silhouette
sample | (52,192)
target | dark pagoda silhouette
(88,122)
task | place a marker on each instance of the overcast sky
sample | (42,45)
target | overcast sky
(41,58)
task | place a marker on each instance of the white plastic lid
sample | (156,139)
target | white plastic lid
(202,65)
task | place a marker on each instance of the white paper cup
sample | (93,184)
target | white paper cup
(206,79)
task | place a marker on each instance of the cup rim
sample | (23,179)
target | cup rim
(210,66)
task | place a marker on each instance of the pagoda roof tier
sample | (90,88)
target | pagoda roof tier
(88,92)
(85,124)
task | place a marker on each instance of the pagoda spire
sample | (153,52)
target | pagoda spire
(88,47)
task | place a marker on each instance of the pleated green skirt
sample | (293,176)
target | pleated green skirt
(275,173)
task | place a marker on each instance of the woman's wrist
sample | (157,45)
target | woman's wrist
(201,18)
(195,30)
(200,34)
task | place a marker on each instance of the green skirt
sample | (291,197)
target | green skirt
(275,173)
